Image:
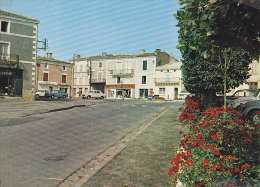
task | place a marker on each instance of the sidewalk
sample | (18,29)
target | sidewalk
(147,159)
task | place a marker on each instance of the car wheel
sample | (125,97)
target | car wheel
(64,97)
(101,97)
(255,117)
(88,97)
(52,96)
(37,96)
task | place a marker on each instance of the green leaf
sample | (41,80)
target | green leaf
(193,47)
(212,1)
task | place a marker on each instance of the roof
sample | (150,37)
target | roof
(173,64)
(115,56)
(51,60)
(2,12)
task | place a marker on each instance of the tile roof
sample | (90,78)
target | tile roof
(2,12)
(52,60)
(114,56)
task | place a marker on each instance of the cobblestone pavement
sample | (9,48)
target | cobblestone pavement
(146,160)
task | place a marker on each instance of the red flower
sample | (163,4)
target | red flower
(182,163)
(240,176)
(180,132)
(245,165)
(216,151)
(189,162)
(170,172)
(217,165)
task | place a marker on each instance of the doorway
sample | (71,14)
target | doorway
(176,93)
(7,85)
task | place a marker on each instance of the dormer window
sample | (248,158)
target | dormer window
(4,26)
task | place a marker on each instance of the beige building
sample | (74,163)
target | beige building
(53,74)
(254,81)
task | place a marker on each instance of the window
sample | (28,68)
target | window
(45,65)
(253,85)
(81,68)
(100,64)
(143,79)
(254,68)
(118,80)
(64,68)
(4,26)
(161,90)
(75,68)
(45,76)
(145,65)
(63,78)
(99,76)
(3,50)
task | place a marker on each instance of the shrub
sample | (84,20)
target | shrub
(219,146)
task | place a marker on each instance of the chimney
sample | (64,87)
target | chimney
(104,54)
(142,51)
(77,56)
(49,55)
(157,51)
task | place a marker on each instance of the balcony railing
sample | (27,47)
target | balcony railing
(98,80)
(9,59)
(170,80)
(122,72)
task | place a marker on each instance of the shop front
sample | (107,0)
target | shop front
(11,82)
(120,91)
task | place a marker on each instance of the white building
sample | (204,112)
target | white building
(81,77)
(168,82)
(119,76)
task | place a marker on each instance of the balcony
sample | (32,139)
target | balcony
(98,80)
(170,80)
(9,59)
(122,72)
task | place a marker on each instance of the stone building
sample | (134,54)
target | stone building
(54,74)
(18,51)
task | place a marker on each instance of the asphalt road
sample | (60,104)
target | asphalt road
(41,149)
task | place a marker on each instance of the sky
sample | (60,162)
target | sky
(90,27)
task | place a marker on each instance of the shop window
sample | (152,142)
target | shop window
(4,26)
(143,79)
(45,76)
(63,79)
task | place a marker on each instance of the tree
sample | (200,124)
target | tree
(207,29)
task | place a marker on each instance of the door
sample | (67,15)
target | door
(175,93)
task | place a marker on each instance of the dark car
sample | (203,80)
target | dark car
(58,94)
(251,111)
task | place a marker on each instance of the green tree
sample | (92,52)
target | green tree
(208,29)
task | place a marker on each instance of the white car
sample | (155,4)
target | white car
(42,93)
(93,94)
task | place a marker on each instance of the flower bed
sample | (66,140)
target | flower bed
(219,147)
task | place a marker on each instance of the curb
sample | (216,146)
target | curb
(85,172)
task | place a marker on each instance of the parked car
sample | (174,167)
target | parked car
(42,93)
(58,94)
(251,111)
(242,100)
(93,94)
(244,93)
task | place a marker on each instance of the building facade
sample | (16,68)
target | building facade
(54,74)
(118,76)
(168,83)
(18,51)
